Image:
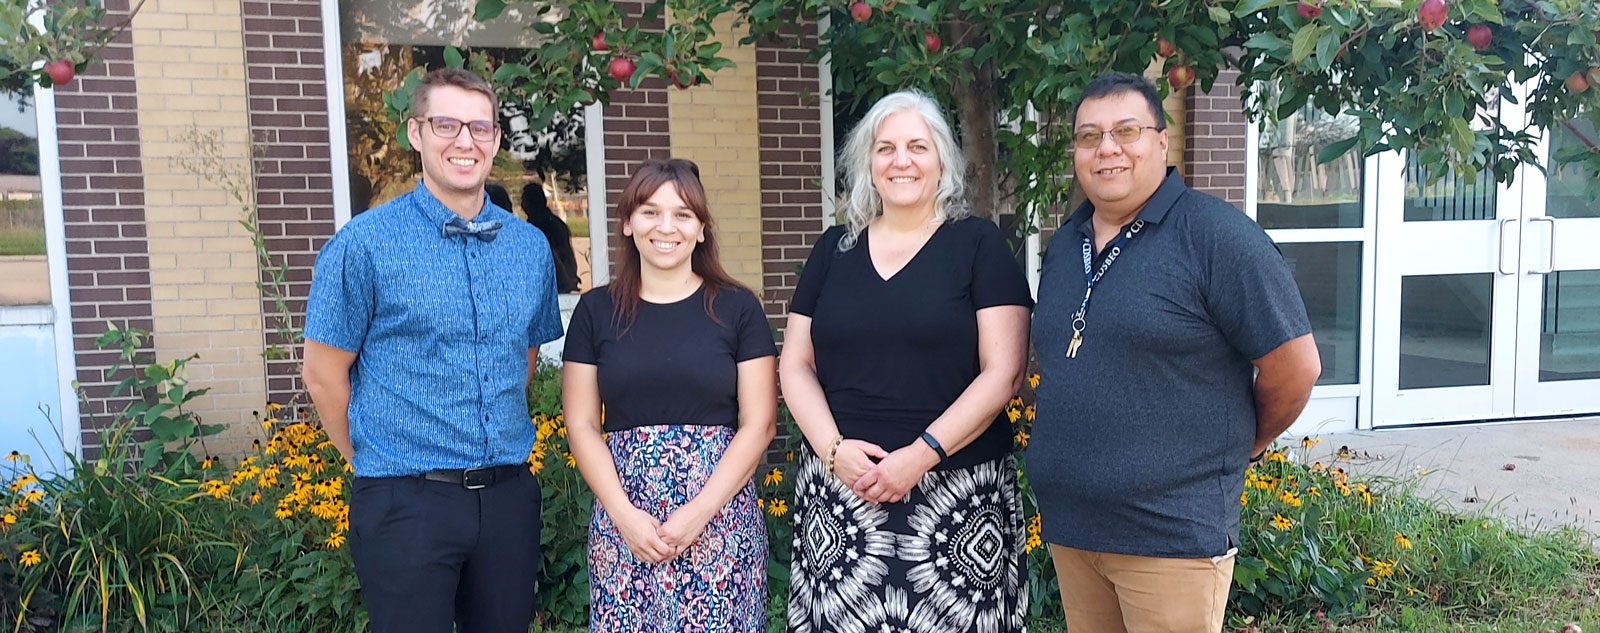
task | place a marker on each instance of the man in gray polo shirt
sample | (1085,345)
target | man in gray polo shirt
(1158,306)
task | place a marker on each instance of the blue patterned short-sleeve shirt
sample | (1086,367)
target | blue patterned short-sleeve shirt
(441,328)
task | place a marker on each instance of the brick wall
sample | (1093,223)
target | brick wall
(294,185)
(102,182)
(189,71)
(1214,153)
(790,127)
(636,126)
(715,126)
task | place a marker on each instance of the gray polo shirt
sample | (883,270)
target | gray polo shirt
(1141,441)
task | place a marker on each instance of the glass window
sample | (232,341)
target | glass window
(1445,327)
(1293,190)
(1573,191)
(1569,326)
(1449,198)
(1329,276)
(24,272)
(538,170)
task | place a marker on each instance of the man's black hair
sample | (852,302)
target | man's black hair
(1115,83)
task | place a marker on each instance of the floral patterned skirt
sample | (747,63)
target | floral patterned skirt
(719,584)
(948,558)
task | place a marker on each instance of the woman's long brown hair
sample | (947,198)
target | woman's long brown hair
(625,284)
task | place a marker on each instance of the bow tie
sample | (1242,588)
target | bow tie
(482,230)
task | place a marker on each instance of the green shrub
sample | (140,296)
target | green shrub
(193,545)
(287,506)
(1316,540)
(104,544)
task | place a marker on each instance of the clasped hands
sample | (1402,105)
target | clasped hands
(888,479)
(653,541)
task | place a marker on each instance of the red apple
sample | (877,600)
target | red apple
(932,41)
(1479,36)
(1577,84)
(860,11)
(620,69)
(1432,14)
(1165,48)
(682,81)
(1179,77)
(60,71)
(1308,10)
(1572,627)
(600,42)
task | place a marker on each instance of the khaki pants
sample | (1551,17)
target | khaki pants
(1118,593)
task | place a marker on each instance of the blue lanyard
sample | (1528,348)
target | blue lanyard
(1091,276)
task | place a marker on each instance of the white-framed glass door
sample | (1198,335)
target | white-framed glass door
(1320,215)
(1449,261)
(1558,318)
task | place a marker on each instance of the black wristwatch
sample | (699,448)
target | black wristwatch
(928,437)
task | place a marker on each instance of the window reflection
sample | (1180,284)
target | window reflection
(384,40)
(24,272)
(1294,191)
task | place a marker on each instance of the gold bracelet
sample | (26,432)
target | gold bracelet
(833,451)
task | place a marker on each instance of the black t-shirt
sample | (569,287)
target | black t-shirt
(675,365)
(892,355)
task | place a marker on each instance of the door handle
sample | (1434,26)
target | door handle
(1500,256)
(1550,247)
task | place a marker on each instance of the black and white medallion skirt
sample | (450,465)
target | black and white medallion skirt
(948,558)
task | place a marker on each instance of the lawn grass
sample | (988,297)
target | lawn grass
(21,241)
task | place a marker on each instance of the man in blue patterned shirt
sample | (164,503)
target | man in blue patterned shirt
(424,321)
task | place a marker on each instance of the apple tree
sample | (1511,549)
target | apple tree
(48,42)
(1419,75)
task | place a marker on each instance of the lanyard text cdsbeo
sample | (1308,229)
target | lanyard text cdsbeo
(1091,276)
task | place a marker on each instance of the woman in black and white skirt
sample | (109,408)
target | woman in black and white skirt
(907,334)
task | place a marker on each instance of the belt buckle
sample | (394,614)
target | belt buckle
(476,478)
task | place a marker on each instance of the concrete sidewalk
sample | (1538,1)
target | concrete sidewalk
(1540,474)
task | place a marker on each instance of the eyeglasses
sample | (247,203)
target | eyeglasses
(446,127)
(1122,134)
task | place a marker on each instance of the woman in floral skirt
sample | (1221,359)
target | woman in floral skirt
(670,396)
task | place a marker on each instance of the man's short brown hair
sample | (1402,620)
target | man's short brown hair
(463,79)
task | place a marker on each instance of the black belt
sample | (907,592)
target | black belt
(476,478)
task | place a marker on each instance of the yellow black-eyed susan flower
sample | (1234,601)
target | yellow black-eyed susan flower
(30,558)
(773,478)
(1402,541)
(1281,523)
(778,508)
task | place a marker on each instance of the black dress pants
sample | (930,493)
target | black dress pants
(433,557)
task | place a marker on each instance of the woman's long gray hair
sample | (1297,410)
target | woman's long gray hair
(861,202)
